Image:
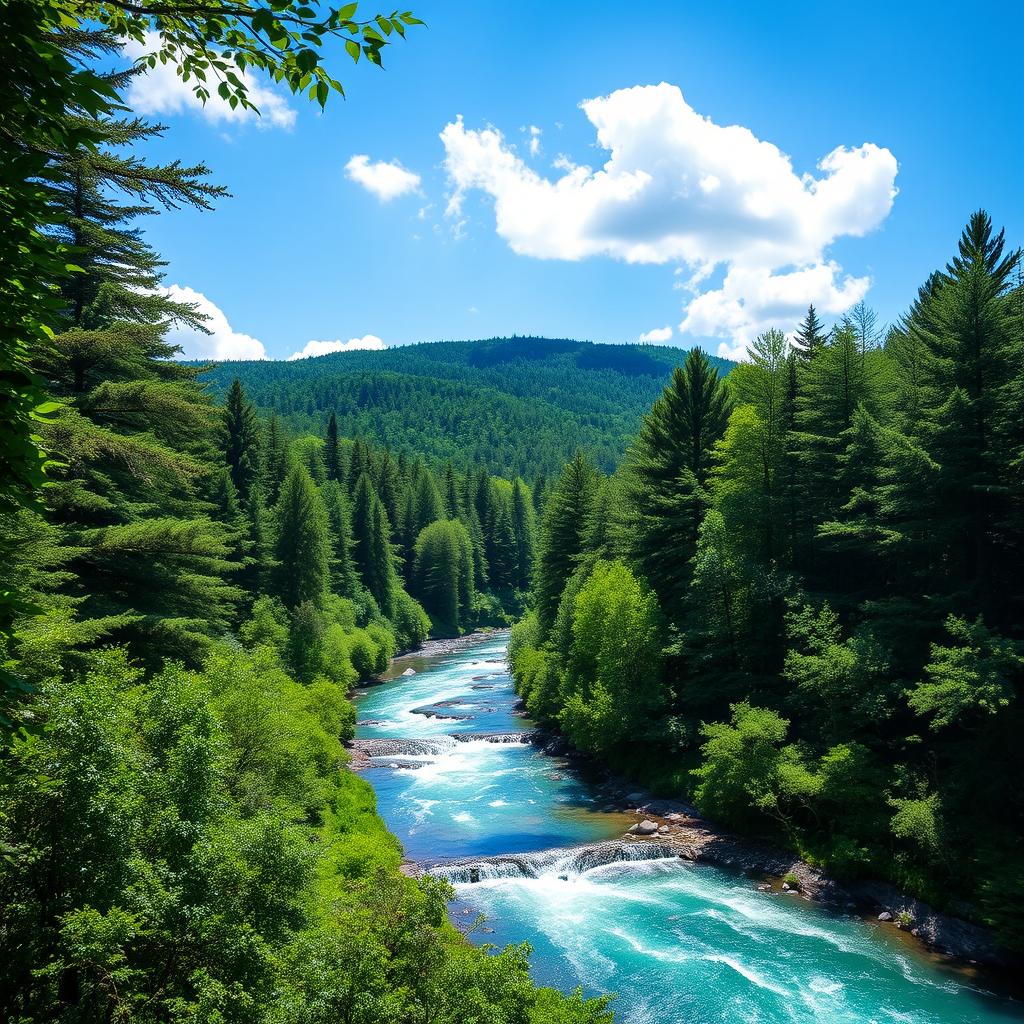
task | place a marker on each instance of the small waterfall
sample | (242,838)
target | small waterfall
(559,862)
(406,747)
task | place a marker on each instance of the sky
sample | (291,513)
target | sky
(672,172)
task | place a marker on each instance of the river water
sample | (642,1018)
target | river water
(680,943)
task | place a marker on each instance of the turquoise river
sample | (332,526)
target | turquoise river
(678,942)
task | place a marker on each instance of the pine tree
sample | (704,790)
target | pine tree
(339,517)
(524,528)
(136,430)
(503,561)
(358,463)
(562,536)
(810,337)
(363,502)
(332,450)
(667,473)
(302,548)
(967,325)
(241,440)
(383,578)
(278,459)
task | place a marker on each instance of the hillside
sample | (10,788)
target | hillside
(516,405)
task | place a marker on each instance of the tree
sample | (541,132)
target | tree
(339,517)
(613,688)
(810,336)
(241,435)
(746,773)
(332,450)
(562,534)
(524,528)
(443,573)
(667,471)
(302,549)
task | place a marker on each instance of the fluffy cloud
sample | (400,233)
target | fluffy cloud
(656,335)
(221,343)
(161,91)
(322,348)
(385,180)
(534,143)
(752,299)
(677,187)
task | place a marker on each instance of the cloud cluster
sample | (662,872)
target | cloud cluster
(386,180)
(677,187)
(655,336)
(223,342)
(161,91)
(323,348)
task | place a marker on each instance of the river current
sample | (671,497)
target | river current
(680,943)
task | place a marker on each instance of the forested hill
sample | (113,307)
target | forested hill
(516,405)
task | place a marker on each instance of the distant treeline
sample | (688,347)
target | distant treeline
(517,406)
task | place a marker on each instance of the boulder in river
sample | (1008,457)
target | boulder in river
(644,828)
(409,672)
(885,916)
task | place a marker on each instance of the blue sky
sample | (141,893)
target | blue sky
(703,221)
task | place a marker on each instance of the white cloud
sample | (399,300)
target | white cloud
(534,143)
(160,91)
(221,343)
(322,348)
(656,335)
(385,180)
(752,299)
(677,187)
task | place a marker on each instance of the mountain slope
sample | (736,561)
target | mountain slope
(517,405)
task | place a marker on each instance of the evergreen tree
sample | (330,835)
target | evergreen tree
(241,440)
(524,528)
(667,474)
(302,549)
(332,450)
(343,573)
(562,536)
(810,337)
(278,458)
(443,573)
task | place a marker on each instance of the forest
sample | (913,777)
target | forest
(516,406)
(797,601)
(190,592)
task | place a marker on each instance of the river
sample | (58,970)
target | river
(681,943)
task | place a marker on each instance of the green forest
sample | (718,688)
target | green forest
(787,590)
(191,591)
(798,602)
(516,406)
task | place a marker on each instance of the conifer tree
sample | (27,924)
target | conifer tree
(443,572)
(302,549)
(524,528)
(810,336)
(332,450)
(278,458)
(241,440)
(339,517)
(562,535)
(667,474)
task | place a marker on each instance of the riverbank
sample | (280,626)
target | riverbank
(533,837)
(693,837)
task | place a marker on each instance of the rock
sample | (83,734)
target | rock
(916,932)
(764,888)
(409,672)
(885,916)
(786,887)
(635,798)
(645,828)
(663,830)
